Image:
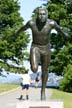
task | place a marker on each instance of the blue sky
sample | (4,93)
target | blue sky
(27,6)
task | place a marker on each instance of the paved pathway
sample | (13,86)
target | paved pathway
(9,100)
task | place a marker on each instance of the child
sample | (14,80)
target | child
(25,83)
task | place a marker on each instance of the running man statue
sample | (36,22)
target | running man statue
(40,48)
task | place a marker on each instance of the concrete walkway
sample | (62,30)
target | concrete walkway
(10,99)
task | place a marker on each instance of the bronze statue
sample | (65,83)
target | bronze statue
(40,48)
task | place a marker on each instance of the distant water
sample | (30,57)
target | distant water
(12,78)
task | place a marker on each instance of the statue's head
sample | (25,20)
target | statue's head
(42,14)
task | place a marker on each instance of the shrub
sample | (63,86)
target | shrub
(66,82)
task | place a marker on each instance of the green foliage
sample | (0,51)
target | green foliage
(66,82)
(11,46)
(59,10)
(62,59)
(61,63)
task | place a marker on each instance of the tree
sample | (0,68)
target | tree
(11,47)
(59,10)
(62,59)
(66,82)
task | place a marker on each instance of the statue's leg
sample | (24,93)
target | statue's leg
(34,58)
(45,61)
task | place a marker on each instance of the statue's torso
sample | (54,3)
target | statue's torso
(41,36)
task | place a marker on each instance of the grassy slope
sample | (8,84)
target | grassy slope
(7,87)
(64,96)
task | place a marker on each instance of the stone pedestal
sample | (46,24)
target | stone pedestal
(40,104)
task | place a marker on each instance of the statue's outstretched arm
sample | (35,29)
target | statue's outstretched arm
(23,28)
(59,29)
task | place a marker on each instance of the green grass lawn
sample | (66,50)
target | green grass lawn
(7,87)
(64,96)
